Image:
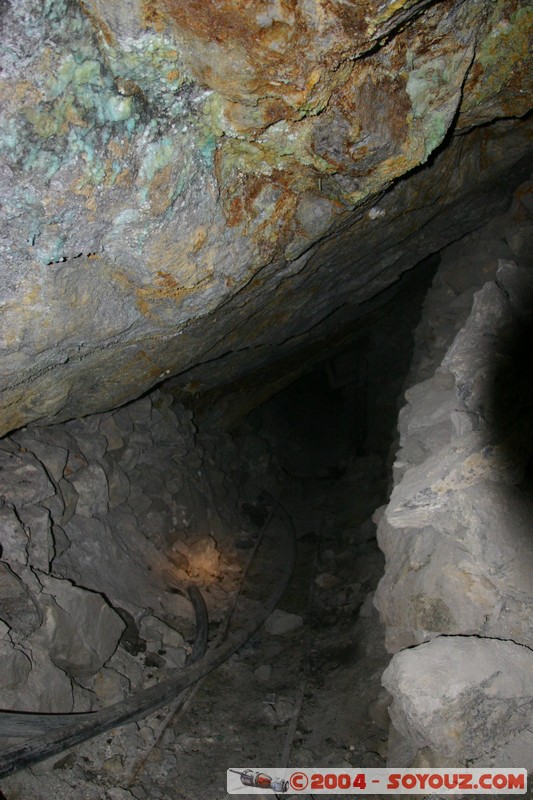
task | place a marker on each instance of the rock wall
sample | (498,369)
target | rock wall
(169,168)
(457,594)
(104,521)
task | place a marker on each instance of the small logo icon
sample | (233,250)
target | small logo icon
(259,780)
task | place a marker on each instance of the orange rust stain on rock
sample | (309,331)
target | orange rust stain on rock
(166,288)
(212,20)
(199,239)
(167,282)
(241,207)
(153,16)
(252,189)
(234,212)
(273,110)
(154,370)
(158,192)
(101,27)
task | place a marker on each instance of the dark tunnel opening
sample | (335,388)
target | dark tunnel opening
(402,461)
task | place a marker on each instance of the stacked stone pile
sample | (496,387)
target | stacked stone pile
(457,530)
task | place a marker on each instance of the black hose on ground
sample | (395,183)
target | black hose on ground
(73,729)
(21,724)
(202,626)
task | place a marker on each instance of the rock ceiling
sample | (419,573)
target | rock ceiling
(198,189)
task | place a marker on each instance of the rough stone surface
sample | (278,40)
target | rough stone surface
(281,622)
(14,539)
(169,168)
(24,480)
(94,513)
(18,608)
(466,698)
(16,666)
(456,532)
(80,629)
(93,491)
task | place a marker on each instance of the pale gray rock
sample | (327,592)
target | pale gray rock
(472,358)
(127,665)
(55,506)
(463,422)
(47,688)
(367,609)
(111,431)
(126,567)
(140,412)
(15,667)
(118,483)
(400,751)
(159,634)
(18,608)
(24,479)
(70,500)
(281,622)
(175,657)
(14,540)
(426,489)
(284,709)
(123,421)
(118,794)
(429,403)
(408,456)
(110,686)
(38,524)
(92,444)
(471,572)
(52,456)
(462,697)
(81,629)
(378,710)
(93,491)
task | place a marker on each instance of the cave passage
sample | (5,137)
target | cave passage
(108,520)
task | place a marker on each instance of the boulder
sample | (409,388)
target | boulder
(281,622)
(465,698)
(81,629)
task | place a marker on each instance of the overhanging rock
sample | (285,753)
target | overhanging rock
(167,173)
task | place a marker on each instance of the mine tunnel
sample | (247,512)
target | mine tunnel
(266,466)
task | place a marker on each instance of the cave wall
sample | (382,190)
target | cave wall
(104,522)
(183,184)
(457,593)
